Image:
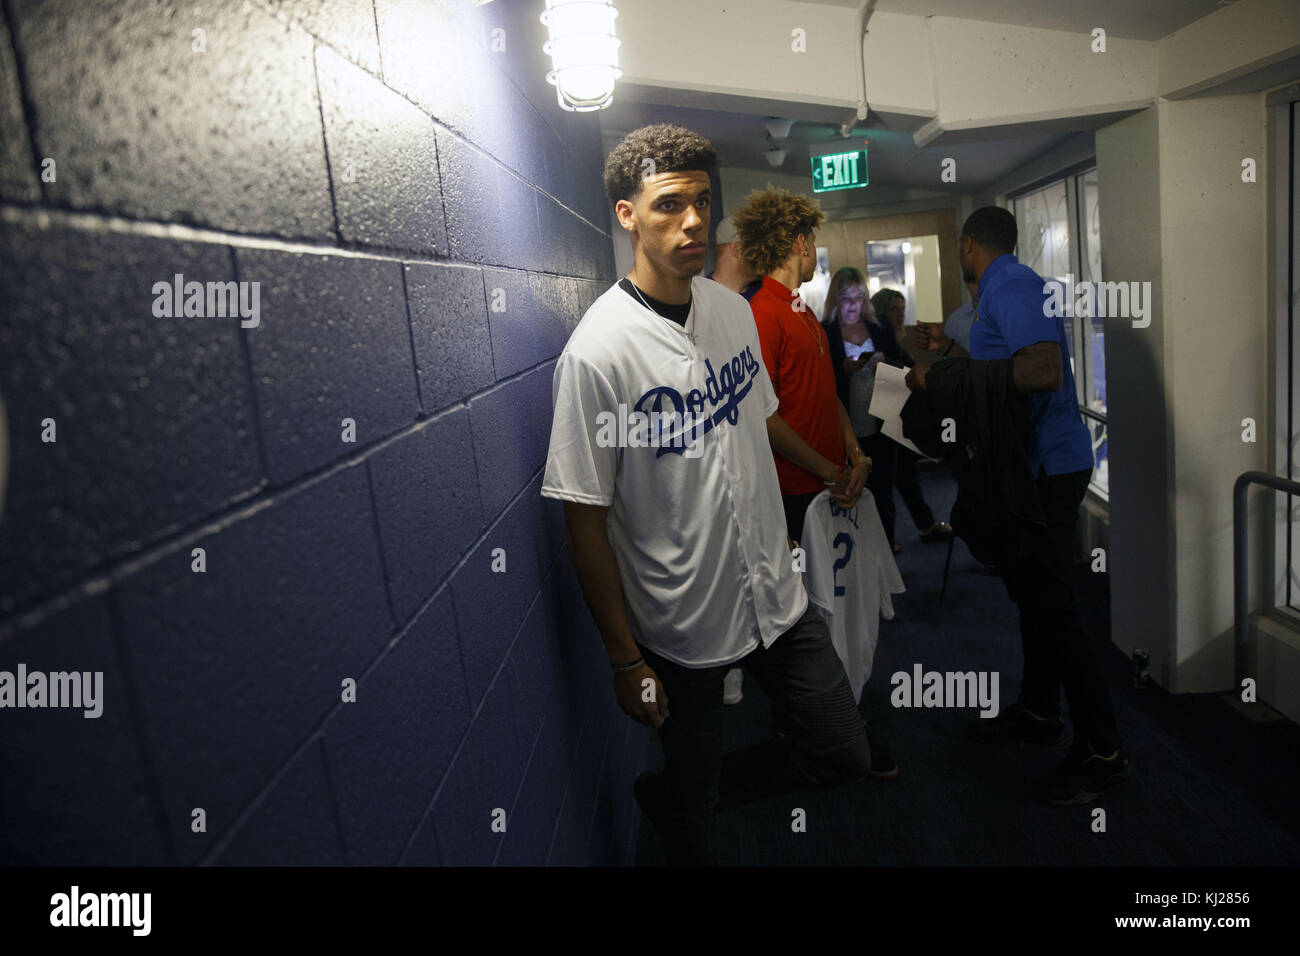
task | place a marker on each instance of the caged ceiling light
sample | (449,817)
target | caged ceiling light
(583,51)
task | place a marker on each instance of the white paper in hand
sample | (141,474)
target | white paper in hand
(887,400)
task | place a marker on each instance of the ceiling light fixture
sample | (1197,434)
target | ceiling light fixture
(779,129)
(583,51)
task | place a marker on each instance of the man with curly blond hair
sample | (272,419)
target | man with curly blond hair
(812,437)
(814,445)
(659,451)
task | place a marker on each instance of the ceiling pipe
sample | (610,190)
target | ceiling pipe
(865,9)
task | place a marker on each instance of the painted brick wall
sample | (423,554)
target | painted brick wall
(425,227)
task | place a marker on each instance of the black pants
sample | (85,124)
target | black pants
(796,506)
(1057,651)
(892,466)
(802,675)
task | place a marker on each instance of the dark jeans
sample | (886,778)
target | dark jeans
(892,466)
(1057,651)
(803,675)
(796,506)
(908,483)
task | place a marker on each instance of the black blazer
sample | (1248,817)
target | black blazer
(882,334)
(997,497)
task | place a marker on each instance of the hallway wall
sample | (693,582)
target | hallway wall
(425,226)
(1176,212)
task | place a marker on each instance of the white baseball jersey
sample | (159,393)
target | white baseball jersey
(696,523)
(851,574)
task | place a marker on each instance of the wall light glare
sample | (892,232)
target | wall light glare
(583,51)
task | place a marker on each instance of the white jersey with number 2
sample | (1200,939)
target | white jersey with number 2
(851,575)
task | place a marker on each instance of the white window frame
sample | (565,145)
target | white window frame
(1080,345)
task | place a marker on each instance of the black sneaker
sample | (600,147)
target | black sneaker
(883,764)
(1018,724)
(1083,776)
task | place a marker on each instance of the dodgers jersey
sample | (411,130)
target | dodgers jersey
(696,525)
(851,576)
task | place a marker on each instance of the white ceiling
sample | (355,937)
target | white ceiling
(1134,19)
(893,157)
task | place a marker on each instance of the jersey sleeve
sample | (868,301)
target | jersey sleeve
(875,546)
(582,462)
(889,583)
(767,394)
(1019,315)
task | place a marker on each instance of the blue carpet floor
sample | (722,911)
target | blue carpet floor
(1210,786)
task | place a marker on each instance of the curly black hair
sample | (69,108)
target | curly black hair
(668,149)
(992,227)
(768,223)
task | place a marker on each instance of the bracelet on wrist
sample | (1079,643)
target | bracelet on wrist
(630,665)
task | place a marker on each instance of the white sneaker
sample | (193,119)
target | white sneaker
(731,690)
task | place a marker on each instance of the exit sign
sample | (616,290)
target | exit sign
(839,171)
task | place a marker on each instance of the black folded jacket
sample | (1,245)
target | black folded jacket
(996,491)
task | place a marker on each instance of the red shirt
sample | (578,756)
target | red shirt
(795,351)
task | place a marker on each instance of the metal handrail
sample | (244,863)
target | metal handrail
(1240,575)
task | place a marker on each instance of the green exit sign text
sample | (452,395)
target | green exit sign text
(839,171)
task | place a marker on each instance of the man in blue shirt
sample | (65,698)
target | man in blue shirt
(959,323)
(1013,322)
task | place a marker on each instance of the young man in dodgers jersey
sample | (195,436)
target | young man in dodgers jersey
(676,528)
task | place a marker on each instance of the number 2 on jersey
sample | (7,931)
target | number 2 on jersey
(847,540)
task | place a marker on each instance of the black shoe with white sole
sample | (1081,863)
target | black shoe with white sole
(1019,724)
(1083,776)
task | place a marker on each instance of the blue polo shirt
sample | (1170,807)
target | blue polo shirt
(1011,317)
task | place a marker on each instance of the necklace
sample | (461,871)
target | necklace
(647,305)
(812,330)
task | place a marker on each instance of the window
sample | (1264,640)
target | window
(1059,231)
(1289,407)
(911,266)
(1043,224)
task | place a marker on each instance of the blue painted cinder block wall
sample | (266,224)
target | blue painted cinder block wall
(381,169)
